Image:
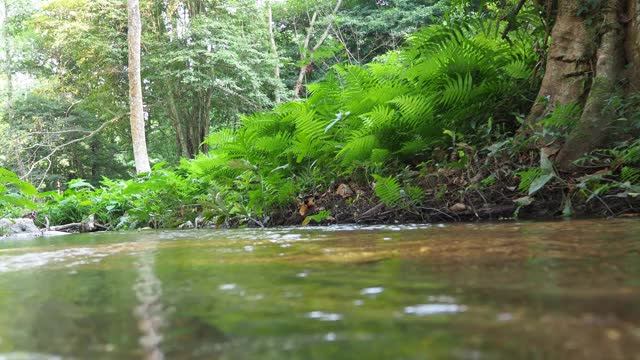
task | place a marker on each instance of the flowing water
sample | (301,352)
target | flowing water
(546,290)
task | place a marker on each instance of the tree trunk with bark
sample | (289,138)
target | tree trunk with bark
(135,89)
(593,58)
(190,120)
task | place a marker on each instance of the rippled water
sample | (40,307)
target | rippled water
(464,291)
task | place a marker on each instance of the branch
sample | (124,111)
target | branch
(242,97)
(329,25)
(59,132)
(303,54)
(512,15)
(59,147)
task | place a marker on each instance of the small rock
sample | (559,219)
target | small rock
(18,226)
(344,190)
(458,207)
(187,225)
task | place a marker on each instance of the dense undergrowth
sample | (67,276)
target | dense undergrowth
(421,134)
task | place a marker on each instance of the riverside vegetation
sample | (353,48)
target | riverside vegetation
(433,130)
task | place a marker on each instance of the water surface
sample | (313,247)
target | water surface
(552,290)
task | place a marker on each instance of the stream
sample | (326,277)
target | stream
(511,290)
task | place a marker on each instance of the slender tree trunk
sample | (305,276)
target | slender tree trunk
(306,54)
(586,66)
(135,89)
(8,58)
(274,50)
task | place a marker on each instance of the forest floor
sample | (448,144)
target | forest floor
(485,189)
(488,204)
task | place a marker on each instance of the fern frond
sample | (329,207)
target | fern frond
(413,109)
(527,178)
(220,138)
(412,147)
(358,148)
(381,116)
(517,69)
(457,91)
(388,190)
(630,175)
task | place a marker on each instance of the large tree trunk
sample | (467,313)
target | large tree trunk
(135,89)
(586,66)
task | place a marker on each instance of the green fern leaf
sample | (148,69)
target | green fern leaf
(358,148)
(457,91)
(517,69)
(388,190)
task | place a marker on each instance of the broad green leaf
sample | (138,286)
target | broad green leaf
(539,182)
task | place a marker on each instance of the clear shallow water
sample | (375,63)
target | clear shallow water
(482,291)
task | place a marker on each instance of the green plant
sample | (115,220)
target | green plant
(15,195)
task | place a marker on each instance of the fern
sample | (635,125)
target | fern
(388,190)
(379,156)
(381,116)
(457,91)
(319,217)
(414,146)
(517,69)
(358,148)
(527,178)
(630,175)
(415,194)
(413,109)
(563,118)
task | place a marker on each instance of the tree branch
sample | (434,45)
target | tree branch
(61,146)
(304,69)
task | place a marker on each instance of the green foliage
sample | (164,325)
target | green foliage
(318,218)
(388,189)
(449,82)
(562,120)
(16,196)
(31,140)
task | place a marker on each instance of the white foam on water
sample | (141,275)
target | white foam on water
(434,309)
(324,316)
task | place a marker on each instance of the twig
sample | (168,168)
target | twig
(441,212)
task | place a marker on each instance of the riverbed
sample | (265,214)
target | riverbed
(525,290)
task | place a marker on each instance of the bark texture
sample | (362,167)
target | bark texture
(596,122)
(135,89)
(586,65)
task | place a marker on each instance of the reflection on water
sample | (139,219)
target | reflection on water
(150,311)
(512,290)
